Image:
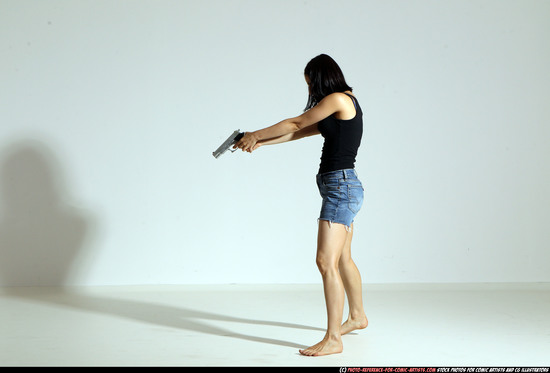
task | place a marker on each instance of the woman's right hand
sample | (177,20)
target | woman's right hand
(247,143)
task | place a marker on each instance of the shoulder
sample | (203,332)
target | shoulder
(338,98)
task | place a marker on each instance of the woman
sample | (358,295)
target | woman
(332,111)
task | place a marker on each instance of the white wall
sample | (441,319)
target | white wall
(110,110)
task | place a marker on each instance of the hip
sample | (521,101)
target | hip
(346,177)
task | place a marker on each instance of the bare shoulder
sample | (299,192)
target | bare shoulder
(339,98)
(344,107)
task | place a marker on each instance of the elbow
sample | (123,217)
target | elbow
(294,126)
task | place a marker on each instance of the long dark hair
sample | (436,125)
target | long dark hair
(325,77)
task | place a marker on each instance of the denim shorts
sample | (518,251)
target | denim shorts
(342,194)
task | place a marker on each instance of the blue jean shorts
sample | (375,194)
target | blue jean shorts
(342,194)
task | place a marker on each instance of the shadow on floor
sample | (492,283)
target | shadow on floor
(151,313)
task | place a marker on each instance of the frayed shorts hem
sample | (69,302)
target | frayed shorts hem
(330,222)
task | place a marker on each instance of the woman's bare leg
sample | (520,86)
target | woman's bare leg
(330,243)
(352,283)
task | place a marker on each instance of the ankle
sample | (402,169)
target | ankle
(335,336)
(357,315)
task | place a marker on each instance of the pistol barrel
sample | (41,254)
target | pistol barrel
(231,140)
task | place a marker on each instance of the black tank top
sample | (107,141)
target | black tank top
(342,140)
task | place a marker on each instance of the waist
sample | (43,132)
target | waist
(348,173)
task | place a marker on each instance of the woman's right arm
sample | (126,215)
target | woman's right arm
(304,132)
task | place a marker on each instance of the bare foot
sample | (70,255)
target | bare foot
(354,324)
(326,347)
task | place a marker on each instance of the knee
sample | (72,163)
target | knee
(326,265)
(345,262)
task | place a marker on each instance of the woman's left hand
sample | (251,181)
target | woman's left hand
(248,143)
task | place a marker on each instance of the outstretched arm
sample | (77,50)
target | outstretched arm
(329,105)
(305,132)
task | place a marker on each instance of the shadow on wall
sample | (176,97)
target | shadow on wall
(41,235)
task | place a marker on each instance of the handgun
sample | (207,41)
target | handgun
(227,144)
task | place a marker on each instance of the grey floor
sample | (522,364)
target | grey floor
(265,325)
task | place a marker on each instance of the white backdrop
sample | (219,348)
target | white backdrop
(110,110)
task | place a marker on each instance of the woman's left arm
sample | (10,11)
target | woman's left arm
(328,106)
